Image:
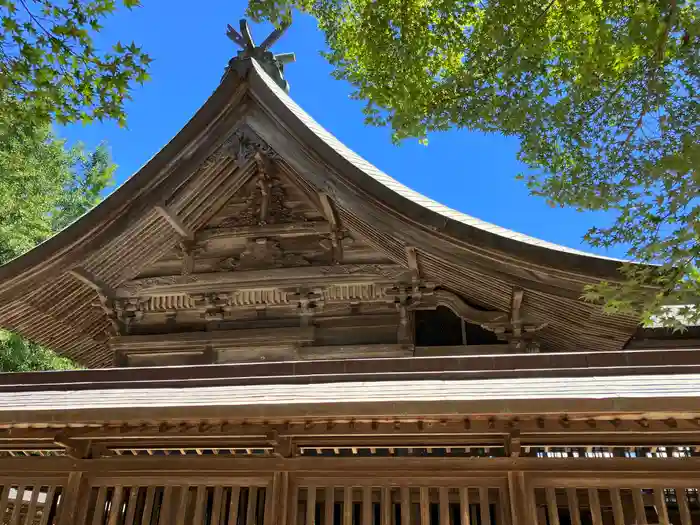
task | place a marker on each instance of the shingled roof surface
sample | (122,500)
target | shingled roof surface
(421,200)
(681,385)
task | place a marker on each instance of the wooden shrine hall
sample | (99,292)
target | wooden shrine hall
(274,332)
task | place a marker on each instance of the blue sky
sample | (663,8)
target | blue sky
(471,172)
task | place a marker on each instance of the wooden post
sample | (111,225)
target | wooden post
(278,508)
(74,500)
(522,507)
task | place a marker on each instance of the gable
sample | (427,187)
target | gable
(258,237)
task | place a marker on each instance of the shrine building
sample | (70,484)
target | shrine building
(274,332)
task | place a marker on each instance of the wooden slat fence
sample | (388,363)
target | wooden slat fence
(223,503)
(617,503)
(376,501)
(136,491)
(31,503)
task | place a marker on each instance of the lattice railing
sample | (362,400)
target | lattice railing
(210,489)
(616,505)
(395,503)
(168,504)
(29,504)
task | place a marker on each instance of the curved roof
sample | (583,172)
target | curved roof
(474,258)
(443,212)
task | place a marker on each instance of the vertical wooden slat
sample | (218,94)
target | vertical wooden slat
(147,513)
(311,506)
(405,506)
(182,505)
(594,503)
(444,503)
(233,505)
(618,513)
(574,511)
(683,509)
(552,509)
(262,505)
(46,510)
(31,511)
(329,506)
(98,516)
(424,506)
(484,506)
(347,506)
(130,515)
(4,499)
(541,515)
(366,506)
(385,506)
(292,515)
(115,509)
(503,507)
(640,514)
(216,505)
(17,509)
(660,503)
(165,517)
(199,504)
(464,505)
(252,505)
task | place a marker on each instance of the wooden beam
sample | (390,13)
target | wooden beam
(175,222)
(289,230)
(557,472)
(345,432)
(247,279)
(93,282)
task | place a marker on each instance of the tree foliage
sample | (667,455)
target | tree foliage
(602,95)
(44,186)
(19,355)
(51,70)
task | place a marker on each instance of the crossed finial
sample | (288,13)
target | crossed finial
(271,63)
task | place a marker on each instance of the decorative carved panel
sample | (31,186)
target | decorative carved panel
(263,254)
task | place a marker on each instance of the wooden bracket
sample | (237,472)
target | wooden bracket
(412,260)
(175,222)
(335,232)
(81,449)
(105,295)
(264,182)
(513,446)
(282,446)
(518,330)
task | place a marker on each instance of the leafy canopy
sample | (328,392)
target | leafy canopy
(52,72)
(44,186)
(602,95)
(19,355)
(50,69)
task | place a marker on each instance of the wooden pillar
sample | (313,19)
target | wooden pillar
(522,504)
(277,505)
(74,500)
